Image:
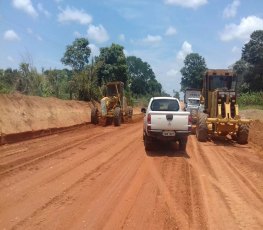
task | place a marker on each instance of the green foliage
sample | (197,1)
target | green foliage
(56,83)
(9,79)
(252,52)
(193,71)
(250,67)
(29,81)
(111,65)
(84,81)
(77,55)
(176,94)
(86,85)
(142,79)
(254,99)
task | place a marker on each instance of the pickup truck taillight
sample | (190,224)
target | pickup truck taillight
(149,120)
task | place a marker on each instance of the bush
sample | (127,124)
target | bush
(254,99)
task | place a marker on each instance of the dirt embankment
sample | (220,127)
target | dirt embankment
(38,116)
(256,127)
(27,114)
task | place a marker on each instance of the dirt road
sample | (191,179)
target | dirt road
(102,178)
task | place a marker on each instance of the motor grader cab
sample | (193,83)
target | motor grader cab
(113,106)
(220,115)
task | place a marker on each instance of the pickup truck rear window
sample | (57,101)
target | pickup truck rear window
(164,105)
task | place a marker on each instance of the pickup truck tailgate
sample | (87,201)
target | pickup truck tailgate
(169,120)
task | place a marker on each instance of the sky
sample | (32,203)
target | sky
(160,32)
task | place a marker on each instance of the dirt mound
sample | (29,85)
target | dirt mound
(20,113)
(256,127)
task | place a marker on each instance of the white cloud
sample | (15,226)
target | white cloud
(97,33)
(71,14)
(44,11)
(122,37)
(10,35)
(186,3)
(26,6)
(185,49)
(152,39)
(170,31)
(231,9)
(95,51)
(243,30)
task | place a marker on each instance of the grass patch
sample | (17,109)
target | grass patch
(252,100)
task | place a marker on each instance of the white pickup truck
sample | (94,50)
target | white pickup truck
(165,120)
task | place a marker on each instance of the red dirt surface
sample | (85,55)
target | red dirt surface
(20,113)
(98,177)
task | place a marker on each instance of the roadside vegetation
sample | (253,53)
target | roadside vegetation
(86,76)
(84,80)
(249,70)
(251,100)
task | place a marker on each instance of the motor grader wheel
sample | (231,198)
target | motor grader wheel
(201,127)
(130,111)
(117,116)
(242,134)
(194,116)
(94,116)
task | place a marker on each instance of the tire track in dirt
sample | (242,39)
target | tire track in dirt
(242,176)
(181,218)
(28,194)
(69,142)
(116,163)
(246,214)
(229,188)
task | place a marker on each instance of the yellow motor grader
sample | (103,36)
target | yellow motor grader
(114,106)
(218,114)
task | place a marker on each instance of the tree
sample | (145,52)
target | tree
(252,53)
(111,65)
(30,82)
(77,55)
(193,71)
(142,79)
(57,83)
(87,85)
(8,80)
(241,68)
(176,94)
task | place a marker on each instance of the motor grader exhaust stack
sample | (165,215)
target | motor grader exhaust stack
(220,115)
(113,107)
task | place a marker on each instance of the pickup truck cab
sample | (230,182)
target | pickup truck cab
(164,120)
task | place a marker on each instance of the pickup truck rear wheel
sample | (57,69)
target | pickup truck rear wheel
(201,127)
(147,142)
(182,143)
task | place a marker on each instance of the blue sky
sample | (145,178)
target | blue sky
(160,32)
